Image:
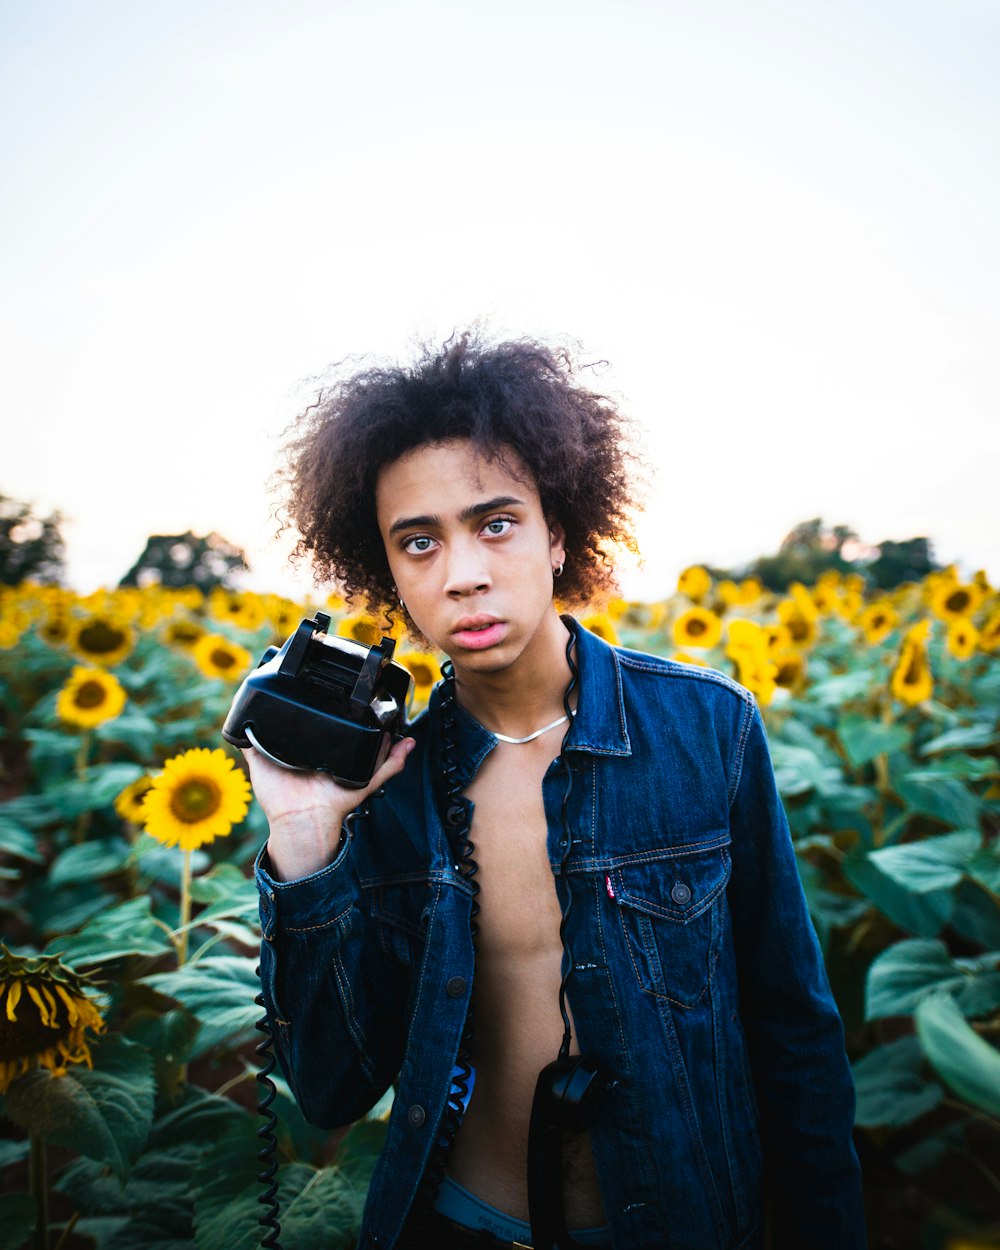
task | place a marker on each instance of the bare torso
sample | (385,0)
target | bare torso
(518,1027)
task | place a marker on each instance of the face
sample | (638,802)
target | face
(471,553)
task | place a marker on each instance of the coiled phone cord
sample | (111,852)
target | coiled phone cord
(457,822)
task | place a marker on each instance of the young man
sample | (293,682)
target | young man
(571,888)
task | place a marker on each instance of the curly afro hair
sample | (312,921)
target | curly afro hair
(519,395)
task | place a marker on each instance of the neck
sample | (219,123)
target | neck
(521,698)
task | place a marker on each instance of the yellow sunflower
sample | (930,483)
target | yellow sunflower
(912,681)
(362,627)
(90,697)
(962,638)
(56,627)
(989,635)
(698,627)
(695,582)
(682,657)
(103,639)
(243,609)
(183,632)
(801,623)
(129,803)
(952,601)
(791,669)
(748,647)
(216,656)
(424,669)
(45,1015)
(877,621)
(198,797)
(728,592)
(751,589)
(602,625)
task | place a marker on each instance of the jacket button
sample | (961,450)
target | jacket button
(681,893)
(455,987)
(416,1115)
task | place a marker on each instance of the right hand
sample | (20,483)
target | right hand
(305,810)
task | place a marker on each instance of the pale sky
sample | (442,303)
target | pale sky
(777,221)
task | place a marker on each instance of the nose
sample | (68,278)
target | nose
(466,572)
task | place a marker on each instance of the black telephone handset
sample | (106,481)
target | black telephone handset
(567,1095)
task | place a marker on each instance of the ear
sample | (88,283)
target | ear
(557,543)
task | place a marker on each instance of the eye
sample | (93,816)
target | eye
(416,544)
(498,525)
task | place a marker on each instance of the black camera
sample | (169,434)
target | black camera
(322,703)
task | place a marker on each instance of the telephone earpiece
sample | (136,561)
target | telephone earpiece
(567,1095)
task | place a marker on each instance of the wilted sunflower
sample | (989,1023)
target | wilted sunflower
(90,697)
(912,681)
(698,627)
(198,797)
(952,601)
(962,639)
(424,669)
(877,621)
(129,803)
(216,656)
(45,1014)
(695,582)
(102,639)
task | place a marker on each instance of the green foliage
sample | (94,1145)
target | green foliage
(31,546)
(894,812)
(186,560)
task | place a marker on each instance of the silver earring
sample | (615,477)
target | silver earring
(557,569)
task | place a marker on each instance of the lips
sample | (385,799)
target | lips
(477,632)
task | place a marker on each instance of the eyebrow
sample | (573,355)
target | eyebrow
(433,521)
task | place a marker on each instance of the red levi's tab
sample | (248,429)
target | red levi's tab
(609,887)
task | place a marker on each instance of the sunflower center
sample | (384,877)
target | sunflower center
(957,601)
(90,694)
(222,659)
(100,638)
(911,674)
(422,675)
(195,800)
(696,627)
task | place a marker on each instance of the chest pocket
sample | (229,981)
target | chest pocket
(400,913)
(670,912)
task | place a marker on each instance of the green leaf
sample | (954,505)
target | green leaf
(976,915)
(98,789)
(967,1063)
(904,974)
(842,688)
(864,738)
(798,770)
(890,1088)
(89,861)
(129,929)
(934,863)
(12,1151)
(17,1219)
(318,1208)
(967,737)
(104,1113)
(360,1148)
(944,798)
(18,841)
(924,915)
(984,867)
(219,991)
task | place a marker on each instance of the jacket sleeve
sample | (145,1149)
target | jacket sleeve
(334,1003)
(795,1037)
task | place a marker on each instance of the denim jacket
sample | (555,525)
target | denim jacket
(697,978)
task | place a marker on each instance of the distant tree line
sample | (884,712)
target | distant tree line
(31,547)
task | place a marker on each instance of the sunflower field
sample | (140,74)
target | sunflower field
(128,986)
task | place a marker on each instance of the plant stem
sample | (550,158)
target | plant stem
(82,823)
(38,1181)
(182,943)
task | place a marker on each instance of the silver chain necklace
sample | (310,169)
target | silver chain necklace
(531,737)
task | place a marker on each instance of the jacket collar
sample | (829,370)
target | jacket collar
(599,726)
